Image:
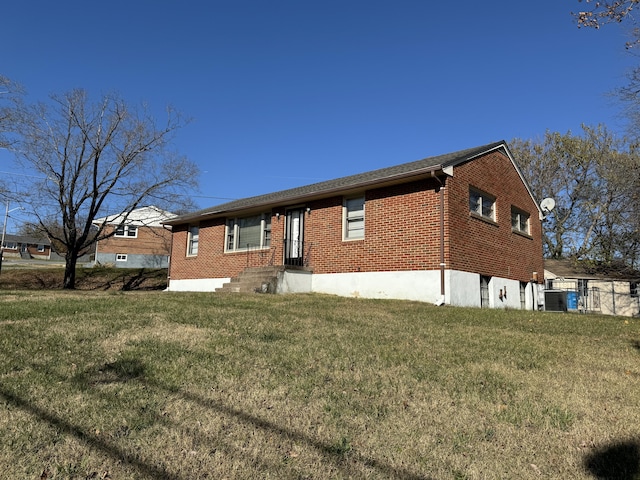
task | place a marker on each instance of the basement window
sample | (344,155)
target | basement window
(484,291)
(523,295)
(121,257)
(482,204)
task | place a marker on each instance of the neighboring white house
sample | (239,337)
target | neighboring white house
(593,292)
(139,240)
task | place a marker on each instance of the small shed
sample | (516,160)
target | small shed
(591,288)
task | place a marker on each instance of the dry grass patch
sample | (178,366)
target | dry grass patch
(181,386)
(38,278)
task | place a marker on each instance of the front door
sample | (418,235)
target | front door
(294,238)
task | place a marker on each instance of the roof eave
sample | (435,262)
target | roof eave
(378,182)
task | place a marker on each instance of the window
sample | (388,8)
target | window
(583,287)
(192,241)
(10,245)
(353,218)
(482,204)
(121,257)
(248,232)
(633,289)
(41,248)
(523,295)
(127,231)
(484,291)
(519,221)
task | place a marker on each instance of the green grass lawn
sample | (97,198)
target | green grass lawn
(186,386)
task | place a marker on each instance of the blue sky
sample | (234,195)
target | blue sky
(284,93)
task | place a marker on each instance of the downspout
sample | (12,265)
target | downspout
(169,262)
(441,300)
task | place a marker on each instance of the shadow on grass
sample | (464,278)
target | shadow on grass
(90,439)
(132,370)
(620,460)
(125,280)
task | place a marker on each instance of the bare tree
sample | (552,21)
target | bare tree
(9,97)
(96,158)
(601,12)
(10,94)
(594,180)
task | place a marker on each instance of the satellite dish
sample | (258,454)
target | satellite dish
(547,205)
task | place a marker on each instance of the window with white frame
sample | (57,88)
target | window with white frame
(130,231)
(40,248)
(353,218)
(193,238)
(523,295)
(519,221)
(482,204)
(121,257)
(484,291)
(10,245)
(248,232)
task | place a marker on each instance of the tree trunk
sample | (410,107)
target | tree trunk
(71,259)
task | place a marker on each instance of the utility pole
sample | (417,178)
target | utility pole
(4,230)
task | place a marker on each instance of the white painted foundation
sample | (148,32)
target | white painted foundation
(294,281)
(196,284)
(461,288)
(423,286)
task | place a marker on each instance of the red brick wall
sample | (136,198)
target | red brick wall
(490,248)
(150,240)
(402,231)
(212,261)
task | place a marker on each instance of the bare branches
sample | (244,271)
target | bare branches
(608,11)
(594,180)
(602,12)
(102,157)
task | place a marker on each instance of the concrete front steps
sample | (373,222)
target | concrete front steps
(254,280)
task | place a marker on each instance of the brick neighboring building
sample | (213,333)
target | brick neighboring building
(20,246)
(139,241)
(459,229)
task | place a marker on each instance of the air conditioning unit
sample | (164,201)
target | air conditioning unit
(555,301)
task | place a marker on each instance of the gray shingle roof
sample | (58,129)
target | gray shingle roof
(328,187)
(572,269)
(26,239)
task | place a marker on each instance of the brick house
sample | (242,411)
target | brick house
(138,241)
(20,246)
(459,229)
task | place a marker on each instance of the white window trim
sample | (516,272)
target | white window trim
(121,257)
(190,241)
(265,226)
(345,219)
(125,234)
(41,248)
(482,196)
(520,213)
